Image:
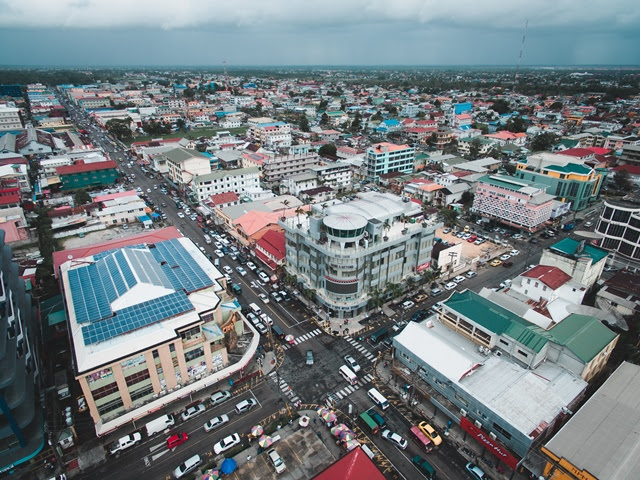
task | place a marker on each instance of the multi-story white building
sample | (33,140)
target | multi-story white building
(185,164)
(10,118)
(296,184)
(346,251)
(119,208)
(269,133)
(410,110)
(387,157)
(279,167)
(518,203)
(335,175)
(221,181)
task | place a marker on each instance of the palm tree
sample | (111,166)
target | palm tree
(286,204)
(299,210)
(386,226)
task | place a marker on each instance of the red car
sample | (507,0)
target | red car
(472,239)
(176,440)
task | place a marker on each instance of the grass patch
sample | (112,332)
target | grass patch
(197,133)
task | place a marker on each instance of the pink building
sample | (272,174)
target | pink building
(515,202)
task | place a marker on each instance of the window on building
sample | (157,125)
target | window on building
(524,354)
(501,431)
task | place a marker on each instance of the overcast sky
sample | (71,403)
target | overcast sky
(318,32)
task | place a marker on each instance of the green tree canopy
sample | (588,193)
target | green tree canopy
(516,125)
(324,120)
(544,141)
(119,128)
(474,148)
(303,123)
(501,106)
(327,149)
(81,197)
(448,216)
(622,181)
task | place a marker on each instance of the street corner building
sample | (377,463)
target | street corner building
(21,415)
(347,250)
(148,317)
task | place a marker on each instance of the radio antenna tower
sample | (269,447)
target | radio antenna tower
(524,36)
(226,76)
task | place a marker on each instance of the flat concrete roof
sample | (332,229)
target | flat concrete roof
(603,437)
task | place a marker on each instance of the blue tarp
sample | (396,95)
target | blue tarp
(144,218)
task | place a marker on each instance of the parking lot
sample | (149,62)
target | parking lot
(470,250)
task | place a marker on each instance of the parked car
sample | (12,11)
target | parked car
(394,438)
(261,328)
(507,264)
(450,286)
(476,472)
(241,270)
(446,230)
(276,461)
(226,443)
(227,269)
(246,405)
(459,279)
(309,357)
(219,397)
(251,266)
(406,305)
(504,257)
(276,296)
(191,412)
(215,422)
(351,362)
(219,253)
(266,319)
(263,297)
(436,292)
(471,274)
(496,263)
(610,268)
(514,253)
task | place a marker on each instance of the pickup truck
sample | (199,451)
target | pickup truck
(124,443)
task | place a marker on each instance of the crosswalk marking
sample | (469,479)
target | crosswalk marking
(303,338)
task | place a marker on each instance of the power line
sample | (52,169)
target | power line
(524,36)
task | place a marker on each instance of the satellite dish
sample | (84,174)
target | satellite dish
(69,256)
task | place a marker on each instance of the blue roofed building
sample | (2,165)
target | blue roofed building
(146,326)
(389,126)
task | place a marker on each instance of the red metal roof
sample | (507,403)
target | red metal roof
(355,465)
(631,169)
(82,167)
(82,252)
(274,243)
(552,277)
(577,152)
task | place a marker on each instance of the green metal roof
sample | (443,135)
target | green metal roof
(569,168)
(514,184)
(585,336)
(180,154)
(497,319)
(568,246)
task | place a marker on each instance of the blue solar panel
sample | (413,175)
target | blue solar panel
(129,277)
(137,316)
(187,274)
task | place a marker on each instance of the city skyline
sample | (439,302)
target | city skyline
(118,33)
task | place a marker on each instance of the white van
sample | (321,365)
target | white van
(159,425)
(187,466)
(207,239)
(348,375)
(367,451)
(255,309)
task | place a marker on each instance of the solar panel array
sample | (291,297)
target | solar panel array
(90,301)
(148,269)
(180,267)
(137,316)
